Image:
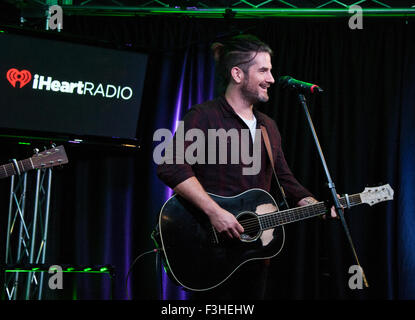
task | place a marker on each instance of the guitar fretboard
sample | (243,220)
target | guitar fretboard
(9,169)
(273,219)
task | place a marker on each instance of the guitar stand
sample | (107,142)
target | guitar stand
(330,183)
(24,247)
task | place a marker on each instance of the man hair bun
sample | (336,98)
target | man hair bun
(217,50)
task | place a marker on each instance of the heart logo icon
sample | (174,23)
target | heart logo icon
(23,77)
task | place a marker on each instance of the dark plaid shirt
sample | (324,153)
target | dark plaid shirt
(227,179)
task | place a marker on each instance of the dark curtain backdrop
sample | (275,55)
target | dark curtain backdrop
(105,202)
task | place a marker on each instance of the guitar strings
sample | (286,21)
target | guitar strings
(291,213)
(276,218)
(254,224)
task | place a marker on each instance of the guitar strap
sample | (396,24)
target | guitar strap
(271,159)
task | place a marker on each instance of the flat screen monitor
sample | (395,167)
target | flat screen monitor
(63,87)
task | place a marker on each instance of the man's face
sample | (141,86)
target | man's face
(258,79)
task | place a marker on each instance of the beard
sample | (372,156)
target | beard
(252,93)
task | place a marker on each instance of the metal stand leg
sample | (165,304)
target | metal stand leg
(36,254)
(34,229)
(17,205)
(43,244)
(330,183)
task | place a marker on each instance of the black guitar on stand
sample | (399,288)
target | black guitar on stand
(198,258)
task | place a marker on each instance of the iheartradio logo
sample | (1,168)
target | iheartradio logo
(47,83)
(14,76)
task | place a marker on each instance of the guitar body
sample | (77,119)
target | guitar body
(197,257)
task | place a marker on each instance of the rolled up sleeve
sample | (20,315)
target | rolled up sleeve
(175,169)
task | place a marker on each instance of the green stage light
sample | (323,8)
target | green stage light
(253,12)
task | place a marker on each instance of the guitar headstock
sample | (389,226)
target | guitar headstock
(375,195)
(50,158)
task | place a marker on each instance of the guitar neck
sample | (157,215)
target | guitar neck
(9,169)
(274,219)
(41,160)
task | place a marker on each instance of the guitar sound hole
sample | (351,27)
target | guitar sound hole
(250,223)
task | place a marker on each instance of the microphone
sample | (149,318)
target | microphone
(305,87)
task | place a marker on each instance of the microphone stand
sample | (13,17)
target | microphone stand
(330,183)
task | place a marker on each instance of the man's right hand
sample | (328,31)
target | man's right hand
(225,223)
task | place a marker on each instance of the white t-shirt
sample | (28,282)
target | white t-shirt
(251,125)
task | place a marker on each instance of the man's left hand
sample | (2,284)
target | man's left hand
(311,200)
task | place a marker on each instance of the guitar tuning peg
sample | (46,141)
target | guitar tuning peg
(36,151)
(53,145)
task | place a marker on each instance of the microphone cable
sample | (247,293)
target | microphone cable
(132,265)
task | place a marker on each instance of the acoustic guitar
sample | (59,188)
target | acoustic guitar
(198,258)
